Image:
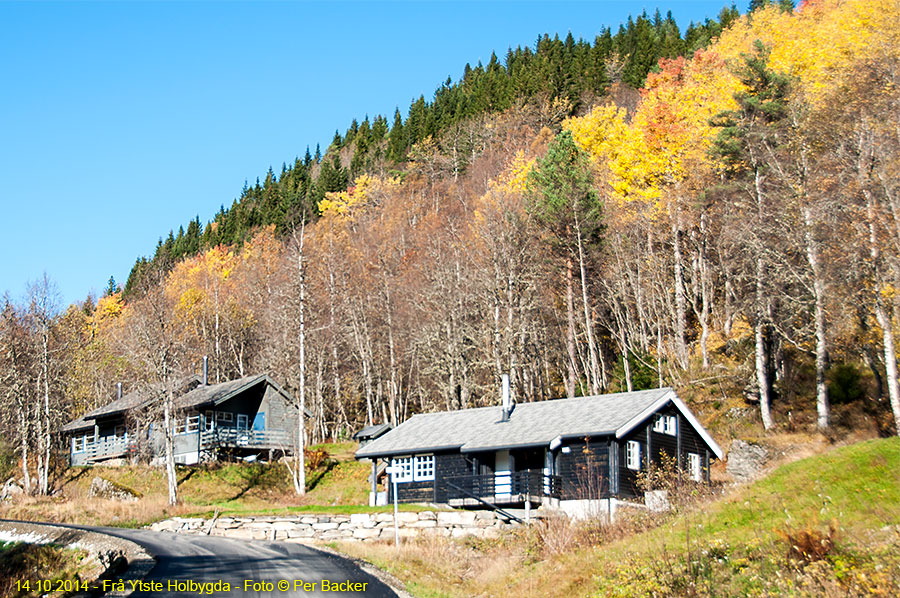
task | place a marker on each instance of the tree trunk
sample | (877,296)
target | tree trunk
(762,354)
(300,474)
(704,292)
(570,330)
(23,427)
(823,409)
(882,317)
(171,478)
(588,325)
(45,440)
(680,298)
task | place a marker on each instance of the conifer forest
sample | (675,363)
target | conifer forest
(715,209)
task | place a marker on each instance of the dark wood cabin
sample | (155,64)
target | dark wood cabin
(559,450)
(251,416)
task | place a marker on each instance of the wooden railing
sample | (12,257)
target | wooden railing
(233,437)
(106,446)
(499,486)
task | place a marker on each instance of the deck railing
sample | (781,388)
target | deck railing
(499,487)
(233,437)
(107,446)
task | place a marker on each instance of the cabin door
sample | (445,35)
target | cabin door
(502,475)
(259,421)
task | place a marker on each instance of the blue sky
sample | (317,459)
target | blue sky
(121,121)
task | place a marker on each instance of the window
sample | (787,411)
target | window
(665,424)
(179,425)
(670,425)
(224,417)
(423,468)
(119,431)
(243,421)
(193,423)
(694,467)
(209,421)
(80,443)
(633,455)
(405,473)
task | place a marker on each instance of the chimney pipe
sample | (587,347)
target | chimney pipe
(205,370)
(507,409)
(118,390)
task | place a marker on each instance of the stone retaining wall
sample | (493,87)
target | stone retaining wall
(358,526)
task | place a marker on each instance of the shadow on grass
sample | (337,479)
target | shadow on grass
(317,476)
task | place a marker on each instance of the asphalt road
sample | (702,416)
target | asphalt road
(249,568)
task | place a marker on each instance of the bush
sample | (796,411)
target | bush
(845,384)
(809,544)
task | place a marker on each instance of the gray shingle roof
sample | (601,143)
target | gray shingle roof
(530,424)
(372,431)
(195,395)
(216,393)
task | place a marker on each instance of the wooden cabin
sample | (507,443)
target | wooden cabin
(251,416)
(550,451)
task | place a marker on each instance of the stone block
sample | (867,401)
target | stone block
(459,518)
(364,534)
(407,517)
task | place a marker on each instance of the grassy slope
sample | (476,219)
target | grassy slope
(32,562)
(232,489)
(735,546)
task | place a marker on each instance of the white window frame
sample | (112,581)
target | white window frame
(695,467)
(659,425)
(406,469)
(80,445)
(192,424)
(243,417)
(633,455)
(423,468)
(671,425)
(209,421)
(225,417)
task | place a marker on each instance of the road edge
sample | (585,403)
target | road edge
(110,550)
(383,576)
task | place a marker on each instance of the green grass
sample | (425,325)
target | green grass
(736,546)
(339,485)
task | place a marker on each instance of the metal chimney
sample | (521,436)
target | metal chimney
(118,390)
(505,402)
(205,370)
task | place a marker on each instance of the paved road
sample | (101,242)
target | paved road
(244,565)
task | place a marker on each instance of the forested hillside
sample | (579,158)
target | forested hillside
(730,228)
(564,76)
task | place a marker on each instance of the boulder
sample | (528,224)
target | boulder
(746,461)
(10,489)
(101,488)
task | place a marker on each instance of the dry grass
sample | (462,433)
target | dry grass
(337,483)
(20,562)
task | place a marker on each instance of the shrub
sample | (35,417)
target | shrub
(809,544)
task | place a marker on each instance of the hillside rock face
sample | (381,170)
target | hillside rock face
(101,488)
(746,461)
(10,489)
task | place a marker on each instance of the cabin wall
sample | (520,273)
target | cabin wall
(279,414)
(654,445)
(584,469)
